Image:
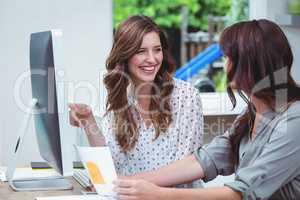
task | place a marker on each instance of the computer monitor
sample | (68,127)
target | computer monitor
(52,119)
(50,116)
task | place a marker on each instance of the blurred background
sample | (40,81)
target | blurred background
(192,26)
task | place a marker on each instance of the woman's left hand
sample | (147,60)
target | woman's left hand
(127,189)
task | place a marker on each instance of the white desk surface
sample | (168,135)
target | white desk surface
(6,193)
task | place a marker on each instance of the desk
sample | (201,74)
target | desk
(6,193)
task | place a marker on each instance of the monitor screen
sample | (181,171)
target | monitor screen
(47,121)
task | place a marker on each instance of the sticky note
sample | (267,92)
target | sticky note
(95,173)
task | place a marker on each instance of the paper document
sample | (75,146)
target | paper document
(76,197)
(100,167)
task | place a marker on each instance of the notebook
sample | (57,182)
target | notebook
(99,164)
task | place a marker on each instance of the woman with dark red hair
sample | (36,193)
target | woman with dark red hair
(262,146)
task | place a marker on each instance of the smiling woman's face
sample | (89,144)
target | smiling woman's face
(144,65)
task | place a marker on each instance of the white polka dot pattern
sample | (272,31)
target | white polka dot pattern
(182,137)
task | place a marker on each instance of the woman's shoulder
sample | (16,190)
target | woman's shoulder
(185,95)
(287,122)
(292,111)
(288,117)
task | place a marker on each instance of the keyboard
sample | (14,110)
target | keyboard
(82,177)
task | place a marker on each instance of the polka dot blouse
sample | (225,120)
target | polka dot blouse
(183,136)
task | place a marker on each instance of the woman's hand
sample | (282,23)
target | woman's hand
(81,115)
(128,189)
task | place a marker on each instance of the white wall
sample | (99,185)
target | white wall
(269,9)
(87,28)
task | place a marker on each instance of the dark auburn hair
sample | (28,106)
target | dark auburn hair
(128,38)
(260,60)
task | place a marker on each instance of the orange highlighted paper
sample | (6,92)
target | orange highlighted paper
(99,164)
(95,173)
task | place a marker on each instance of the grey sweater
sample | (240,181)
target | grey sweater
(269,165)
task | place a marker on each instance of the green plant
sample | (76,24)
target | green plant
(167,13)
(219,79)
(239,11)
(210,7)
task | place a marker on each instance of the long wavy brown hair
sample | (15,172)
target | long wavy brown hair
(128,38)
(258,51)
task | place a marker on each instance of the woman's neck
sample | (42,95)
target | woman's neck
(143,94)
(143,89)
(259,105)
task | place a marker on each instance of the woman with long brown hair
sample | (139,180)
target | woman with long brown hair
(262,146)
(151,119)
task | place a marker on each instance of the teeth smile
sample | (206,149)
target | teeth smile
(148,69)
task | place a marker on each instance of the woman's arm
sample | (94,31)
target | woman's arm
(215,159)
(143,190)
(181,171)
(223,193)
(94,134)
(82,116)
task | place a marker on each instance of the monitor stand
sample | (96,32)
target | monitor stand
(32,184)
(40,184)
